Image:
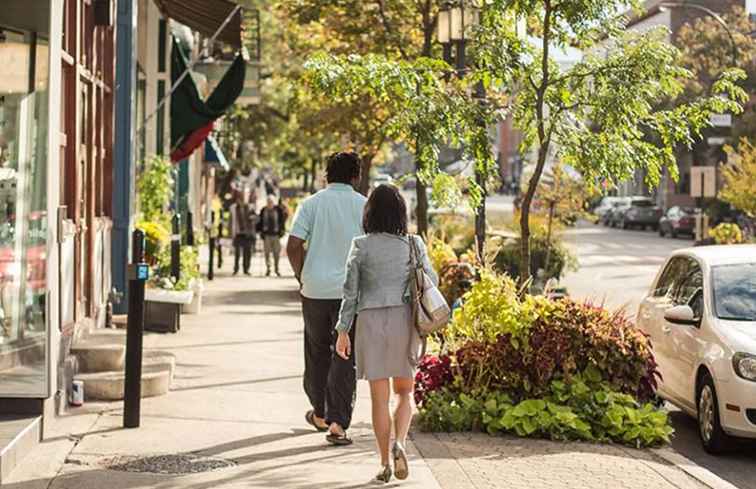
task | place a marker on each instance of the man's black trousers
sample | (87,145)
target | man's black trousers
(243,246)
(329,380)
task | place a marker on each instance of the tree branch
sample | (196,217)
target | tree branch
(389,28)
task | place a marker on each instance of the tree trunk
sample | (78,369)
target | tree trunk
(525,272)
(549,224)
(367,165)
(421,209)
(544,141)
(313,174)
(305,179)
(480,217)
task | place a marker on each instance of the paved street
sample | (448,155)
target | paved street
(237,399)
(617,268)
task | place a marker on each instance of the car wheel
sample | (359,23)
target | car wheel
(654,227)
(661,232)
(673,233)
(624,225)
(713,437)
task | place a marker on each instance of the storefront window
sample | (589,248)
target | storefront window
(23,211)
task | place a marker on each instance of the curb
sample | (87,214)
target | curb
(702,475)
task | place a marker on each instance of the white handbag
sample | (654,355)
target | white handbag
(430,312)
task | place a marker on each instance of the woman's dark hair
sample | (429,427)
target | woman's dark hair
(342,168)
(385,211)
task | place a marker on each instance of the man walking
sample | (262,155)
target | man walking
(327,222)
(243,224)
(271,227)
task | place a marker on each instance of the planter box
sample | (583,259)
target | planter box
(162,309)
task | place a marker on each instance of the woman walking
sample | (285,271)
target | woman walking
(386,347)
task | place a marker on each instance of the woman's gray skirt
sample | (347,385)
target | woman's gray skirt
(386,343)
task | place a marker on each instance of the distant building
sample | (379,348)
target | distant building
(671,193)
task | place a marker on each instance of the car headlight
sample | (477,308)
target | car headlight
(745,365)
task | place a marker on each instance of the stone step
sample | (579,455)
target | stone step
(99,358)
(18,436)
(157,375)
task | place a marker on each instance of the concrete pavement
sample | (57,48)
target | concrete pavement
(237,399)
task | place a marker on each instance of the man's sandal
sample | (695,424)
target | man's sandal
(310,418)
(338,439)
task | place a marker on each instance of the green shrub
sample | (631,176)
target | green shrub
(584,408)
(189,271)
(558,339)
(507,260)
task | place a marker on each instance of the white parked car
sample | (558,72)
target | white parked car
(701,317)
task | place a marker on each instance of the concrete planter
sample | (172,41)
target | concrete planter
(162,309)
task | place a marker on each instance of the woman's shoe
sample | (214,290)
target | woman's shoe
(401,467)
(384,475)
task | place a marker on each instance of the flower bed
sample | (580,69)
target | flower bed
(537,367)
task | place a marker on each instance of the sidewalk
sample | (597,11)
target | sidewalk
(237,400)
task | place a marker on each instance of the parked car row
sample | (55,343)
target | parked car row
(643,213)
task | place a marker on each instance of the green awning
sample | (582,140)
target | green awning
(206,16)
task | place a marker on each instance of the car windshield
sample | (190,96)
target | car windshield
(735,291)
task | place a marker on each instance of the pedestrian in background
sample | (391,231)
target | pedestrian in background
(243,227)
(387,345)
(327,222)
(272,226)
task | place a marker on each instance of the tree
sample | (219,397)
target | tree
(739,175)
(420,109)
(598,116)
(396,29)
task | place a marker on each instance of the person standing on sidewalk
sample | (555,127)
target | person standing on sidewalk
(387,344)
(327,222)
(271,227)
(243,224)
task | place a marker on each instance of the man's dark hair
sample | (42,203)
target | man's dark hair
(385,211)
(342,168)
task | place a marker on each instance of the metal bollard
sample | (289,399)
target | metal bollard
(176,248)
(189,229)
(220,235)
(211,246)
(138,274)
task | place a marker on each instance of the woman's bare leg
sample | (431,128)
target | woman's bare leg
(403,388)
(380,395)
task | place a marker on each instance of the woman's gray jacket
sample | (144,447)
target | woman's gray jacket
(378,274)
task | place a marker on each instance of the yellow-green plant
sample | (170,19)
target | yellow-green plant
(493,308)
(155,189)
(739,177)
(157,236)
(727,233)
(441,253)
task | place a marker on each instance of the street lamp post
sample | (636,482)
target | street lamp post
(454,22)
(701,225)
(664,7)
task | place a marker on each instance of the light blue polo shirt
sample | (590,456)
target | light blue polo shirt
(328,221)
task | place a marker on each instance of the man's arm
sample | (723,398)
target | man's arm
(295,251)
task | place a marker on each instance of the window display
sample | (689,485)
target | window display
(23,212)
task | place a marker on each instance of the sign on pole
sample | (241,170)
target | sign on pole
(703,181)
(716,141)
(721,120)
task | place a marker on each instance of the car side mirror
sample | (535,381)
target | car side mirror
(681,315)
